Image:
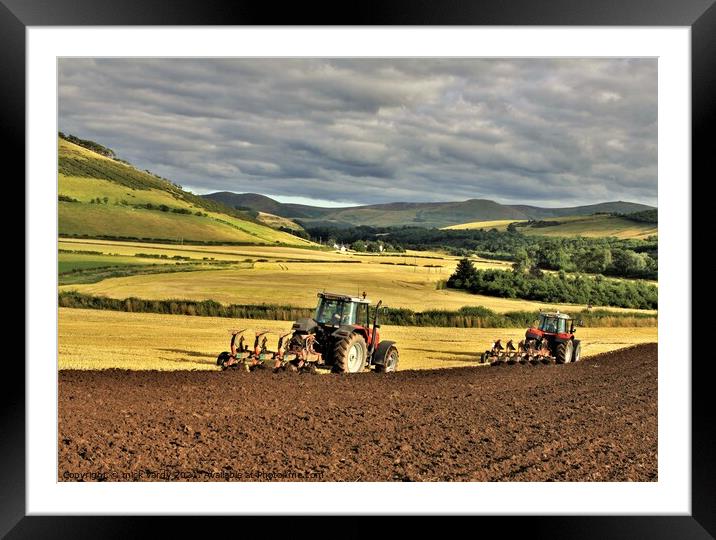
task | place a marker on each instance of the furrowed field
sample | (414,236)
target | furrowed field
(91,339)
(293,276)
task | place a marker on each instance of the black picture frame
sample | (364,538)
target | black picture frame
(699,15)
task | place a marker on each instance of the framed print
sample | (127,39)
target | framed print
(406,264)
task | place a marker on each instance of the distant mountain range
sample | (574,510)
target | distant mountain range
(430,215)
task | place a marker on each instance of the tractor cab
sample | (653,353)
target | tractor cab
(555,323)
(551,324)
(342,310)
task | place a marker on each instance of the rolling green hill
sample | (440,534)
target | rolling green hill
(101,196)
(429,215)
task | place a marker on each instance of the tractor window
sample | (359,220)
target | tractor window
(364,315)
(349,313)
(553,325)
(329,311)
(549,324)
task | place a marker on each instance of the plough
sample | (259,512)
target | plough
(527,351)
(296,354)
(242,357)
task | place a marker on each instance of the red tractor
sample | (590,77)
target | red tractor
(340,337)
(551,340)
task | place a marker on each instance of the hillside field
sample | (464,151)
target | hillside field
(596,226)
(90,339)
(499,224)
(85,176)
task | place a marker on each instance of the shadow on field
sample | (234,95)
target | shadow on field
(471,361)
(471,354)
(188,353)
(185,361)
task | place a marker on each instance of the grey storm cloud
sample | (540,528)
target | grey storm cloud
(553,132)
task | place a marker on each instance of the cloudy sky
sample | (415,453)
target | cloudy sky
(556,132)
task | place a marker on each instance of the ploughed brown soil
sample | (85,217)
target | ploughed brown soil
(595,420)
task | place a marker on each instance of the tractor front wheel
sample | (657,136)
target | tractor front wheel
(350,354)
(564,352)
(577,352)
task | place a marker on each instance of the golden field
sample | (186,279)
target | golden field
(595,226)
(242,252)
(296,284)
(91,339)
(401,280)
(499,224)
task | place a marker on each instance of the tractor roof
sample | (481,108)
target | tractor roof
(557,314)
(343,297)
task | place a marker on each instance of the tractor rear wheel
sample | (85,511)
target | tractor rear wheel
(350,354)
(564,352)
(577,352)
(391,362)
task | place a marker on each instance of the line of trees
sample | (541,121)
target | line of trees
(531,283)
(466,317)
(375,246)
(90,145)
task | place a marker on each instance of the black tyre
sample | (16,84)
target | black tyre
(223,358)
(391,362)
(350,354)
(564,352)
(577,355)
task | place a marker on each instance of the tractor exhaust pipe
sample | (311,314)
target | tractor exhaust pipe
(375,329)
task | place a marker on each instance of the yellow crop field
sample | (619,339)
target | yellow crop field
(219,252)
(277,222)
(233,252)
(499,224)
(406,280)
(90,339)
(595,227)
(296,284)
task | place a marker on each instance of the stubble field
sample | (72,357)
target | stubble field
(292,276)
(91,339)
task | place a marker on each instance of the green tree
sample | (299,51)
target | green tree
(523,262)
(464,275)
(629,263)
(595,260)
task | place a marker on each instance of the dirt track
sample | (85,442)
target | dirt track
(591,421)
